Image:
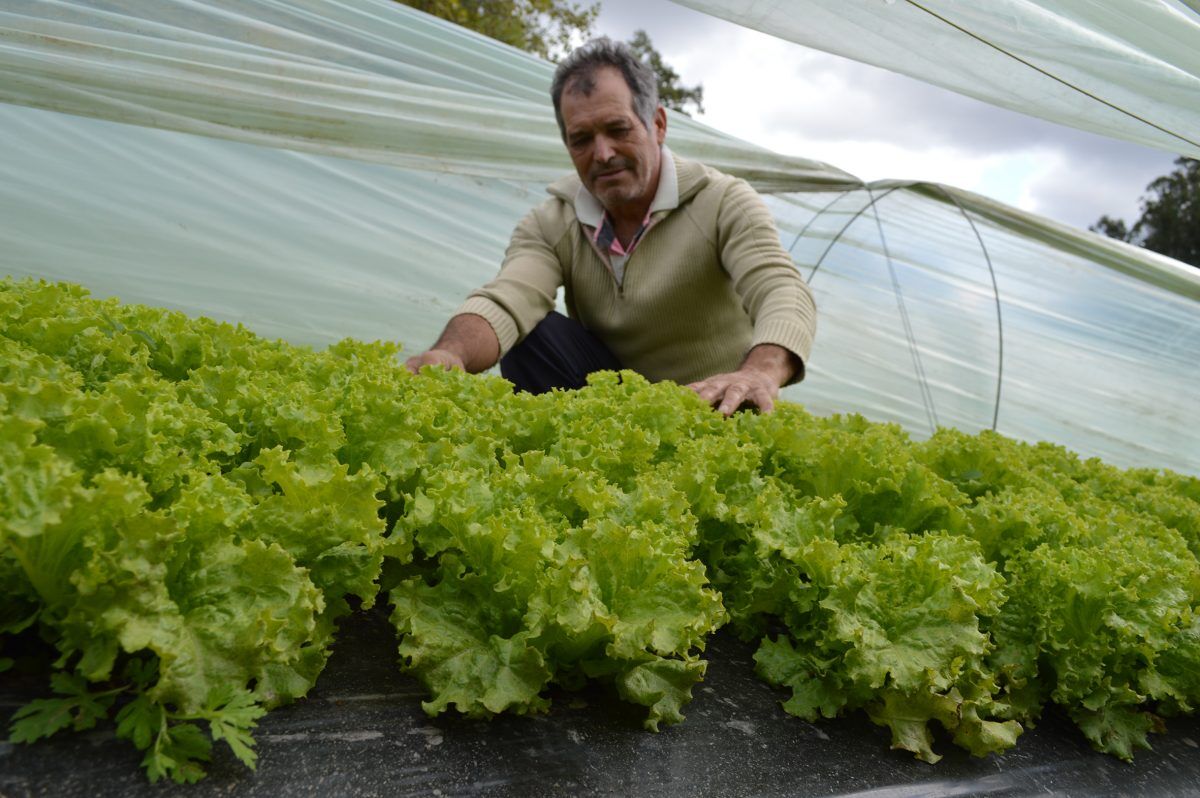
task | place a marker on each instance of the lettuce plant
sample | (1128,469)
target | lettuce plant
(187,510)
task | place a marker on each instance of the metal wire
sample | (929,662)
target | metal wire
(845,227)
(906,322)
(922,381)
(995,292)
(818,215)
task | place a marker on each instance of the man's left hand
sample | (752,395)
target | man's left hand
(756,381)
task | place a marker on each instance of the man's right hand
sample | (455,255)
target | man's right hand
(468,343)
(435,357)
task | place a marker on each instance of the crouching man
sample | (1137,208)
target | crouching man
(669,268)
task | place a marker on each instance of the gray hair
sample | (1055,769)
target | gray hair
(581,65)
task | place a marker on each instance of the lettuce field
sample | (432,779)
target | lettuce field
(187,510)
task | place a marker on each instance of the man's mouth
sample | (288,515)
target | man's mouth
(609,174)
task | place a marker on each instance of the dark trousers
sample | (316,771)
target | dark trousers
(557,353)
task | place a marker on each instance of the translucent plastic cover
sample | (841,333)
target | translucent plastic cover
(1129,69)
(359,79)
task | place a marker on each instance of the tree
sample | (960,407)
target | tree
(1170,220)
(546,28)
(1113,228)
(550,29)
(670,93)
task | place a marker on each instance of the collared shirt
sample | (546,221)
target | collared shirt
(599,227)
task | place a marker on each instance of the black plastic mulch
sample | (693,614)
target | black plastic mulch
(362,732)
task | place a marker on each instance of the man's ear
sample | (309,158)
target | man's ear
(660,124)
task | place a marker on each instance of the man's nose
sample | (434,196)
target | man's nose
(602,149)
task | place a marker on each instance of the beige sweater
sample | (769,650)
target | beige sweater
(708,281)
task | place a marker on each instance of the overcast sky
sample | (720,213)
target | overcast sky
(877,124)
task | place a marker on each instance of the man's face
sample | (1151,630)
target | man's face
(614,154)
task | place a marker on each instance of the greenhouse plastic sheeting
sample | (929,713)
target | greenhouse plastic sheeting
(934,314)
(936,306)
(357,79)
(1129,69)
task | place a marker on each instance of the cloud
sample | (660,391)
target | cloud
(673,28)
(1078,186)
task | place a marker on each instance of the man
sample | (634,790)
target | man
(669,268)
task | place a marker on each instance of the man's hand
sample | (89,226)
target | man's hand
(757,381)
(435,357)
(468,343)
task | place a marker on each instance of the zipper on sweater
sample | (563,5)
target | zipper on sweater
(604,261)
(629,259)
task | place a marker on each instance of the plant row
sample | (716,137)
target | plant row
(186,511)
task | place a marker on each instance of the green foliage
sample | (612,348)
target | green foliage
(76,708)
(186,511)
(558,551)
(1113,228)
(170,493)
(1170,215)
(547,28)
(550,29)
(671,93)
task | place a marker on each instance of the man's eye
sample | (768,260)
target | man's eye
(580,141)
